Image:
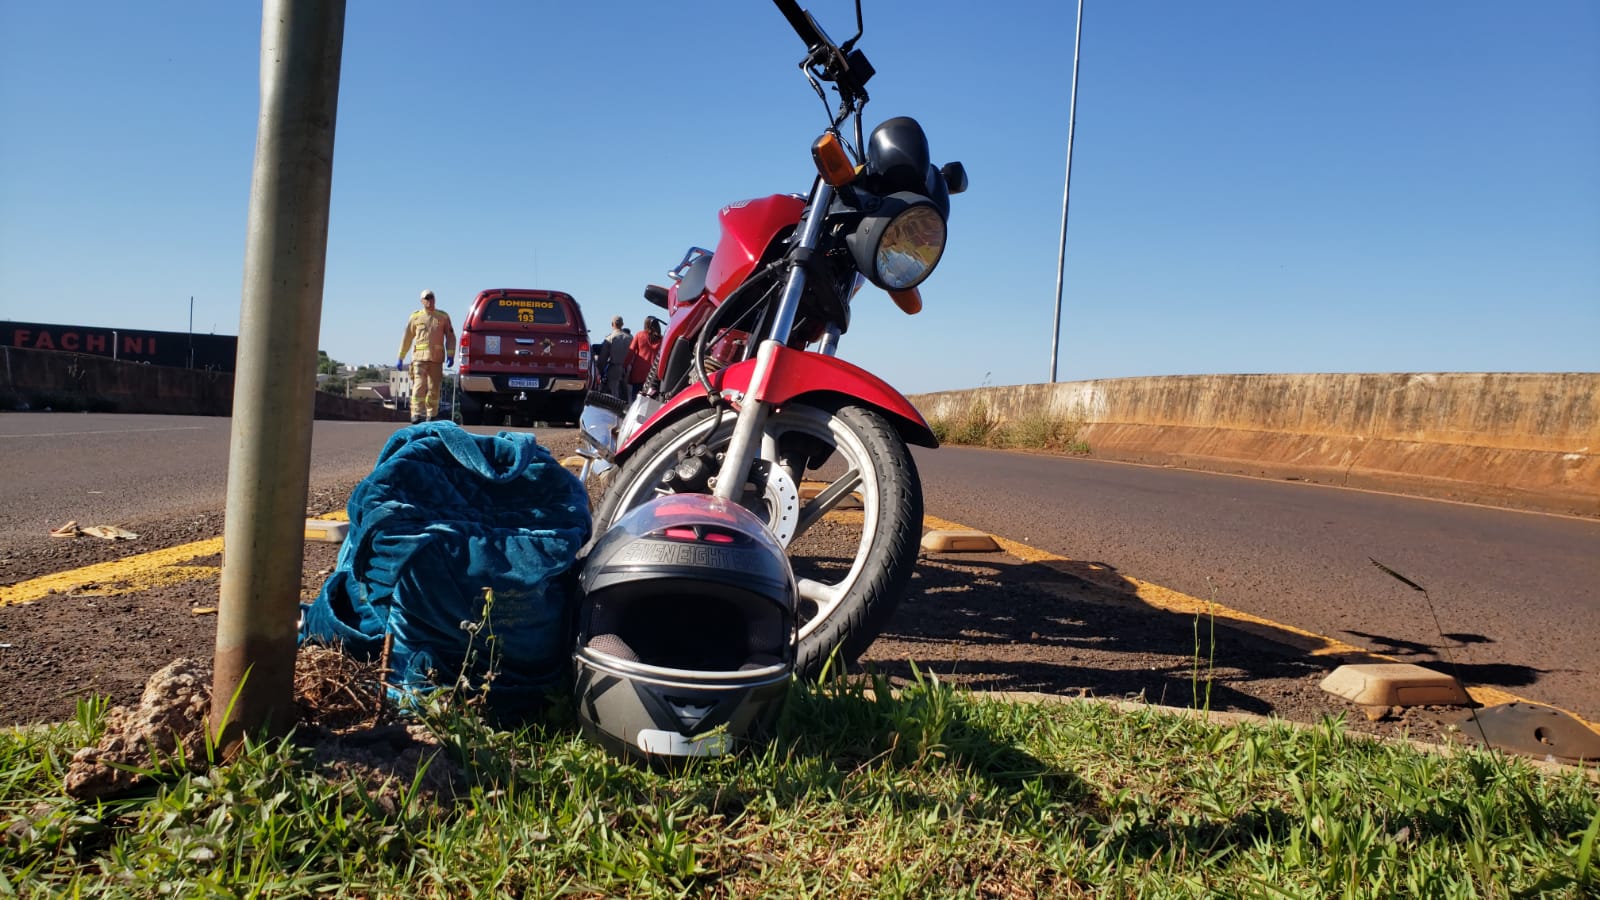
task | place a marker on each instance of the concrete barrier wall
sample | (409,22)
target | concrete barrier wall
(1523,439)
(43,379)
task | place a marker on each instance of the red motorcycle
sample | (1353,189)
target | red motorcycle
(736,404)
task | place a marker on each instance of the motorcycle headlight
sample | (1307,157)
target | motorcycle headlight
(898,246)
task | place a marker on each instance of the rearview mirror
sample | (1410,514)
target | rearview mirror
(955,177)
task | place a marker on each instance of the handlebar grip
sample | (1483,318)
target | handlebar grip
(800,22)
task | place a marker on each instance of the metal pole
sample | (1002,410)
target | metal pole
(269,457)
(191,331)
(1066,194)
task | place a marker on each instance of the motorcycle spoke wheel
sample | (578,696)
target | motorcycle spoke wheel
(854,542)
(819,593)
(828,498)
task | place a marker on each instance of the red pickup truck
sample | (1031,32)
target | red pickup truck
(524,354)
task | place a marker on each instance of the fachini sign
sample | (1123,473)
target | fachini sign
(160,348)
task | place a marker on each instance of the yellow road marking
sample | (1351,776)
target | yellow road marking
(158,568)
(1174,601)
(119,576)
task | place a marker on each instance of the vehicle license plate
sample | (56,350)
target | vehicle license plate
(523,382)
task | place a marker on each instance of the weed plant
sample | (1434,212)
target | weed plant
(928,792)
(1200,684)
(978,425)
(974,425)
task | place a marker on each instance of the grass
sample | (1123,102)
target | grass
(931,792)
(978,425)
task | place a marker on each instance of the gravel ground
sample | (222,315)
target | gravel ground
(988,621)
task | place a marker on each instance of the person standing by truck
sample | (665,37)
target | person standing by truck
(641,353)
(431,339)
(615,349)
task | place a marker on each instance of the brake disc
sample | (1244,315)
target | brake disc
(769,492)
(776,498)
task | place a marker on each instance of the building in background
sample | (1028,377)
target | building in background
(399,388)
(214,352)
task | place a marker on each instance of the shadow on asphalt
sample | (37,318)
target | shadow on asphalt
(1068,627)
(1498,674)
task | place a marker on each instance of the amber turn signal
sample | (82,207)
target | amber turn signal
(909,300)
(833,163)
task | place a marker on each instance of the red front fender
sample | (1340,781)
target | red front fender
(795,374)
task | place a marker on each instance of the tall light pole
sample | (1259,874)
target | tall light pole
(1066,194)
(269,455)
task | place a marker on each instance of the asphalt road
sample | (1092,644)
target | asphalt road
(113,469)
(1516,595)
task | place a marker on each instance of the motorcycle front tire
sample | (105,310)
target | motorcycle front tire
(838,619)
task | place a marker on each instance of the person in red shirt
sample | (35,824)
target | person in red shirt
(641,353)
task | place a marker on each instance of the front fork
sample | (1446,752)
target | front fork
(753,407)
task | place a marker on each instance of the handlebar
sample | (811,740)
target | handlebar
(802,23)
(844,65)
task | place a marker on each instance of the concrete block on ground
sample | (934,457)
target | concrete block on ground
(959,542)
(1394,684)
(326,530)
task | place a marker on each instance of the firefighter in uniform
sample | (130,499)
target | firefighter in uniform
(431,339)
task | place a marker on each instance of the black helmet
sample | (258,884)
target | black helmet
(686,633)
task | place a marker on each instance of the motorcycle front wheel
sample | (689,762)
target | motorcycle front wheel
(835,475)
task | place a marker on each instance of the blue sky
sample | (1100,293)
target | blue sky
(1257,186)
